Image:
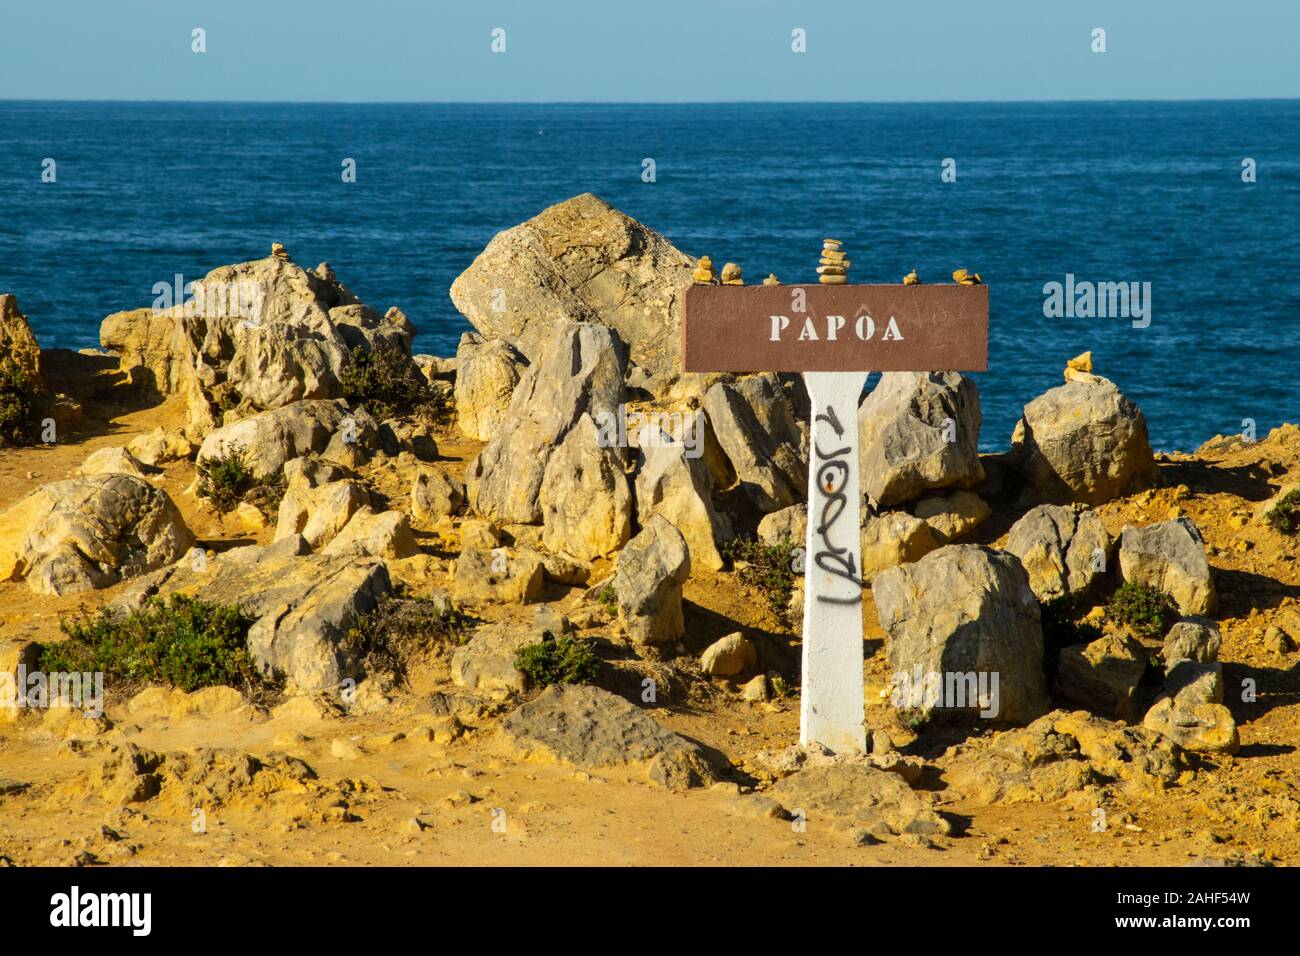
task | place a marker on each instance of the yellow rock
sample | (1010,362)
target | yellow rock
(771,279)
(1081,363)
(842,263)
(832,270)
(911,278)
(963,277)
(703,270)
(731,274)
(833,254)
(832,243)
(833,280)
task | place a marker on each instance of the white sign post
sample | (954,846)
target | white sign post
(832,334)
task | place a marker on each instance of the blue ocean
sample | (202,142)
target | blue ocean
(1132,192)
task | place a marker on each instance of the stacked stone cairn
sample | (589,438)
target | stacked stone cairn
(834,268)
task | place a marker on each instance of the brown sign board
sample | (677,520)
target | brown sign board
(835,328)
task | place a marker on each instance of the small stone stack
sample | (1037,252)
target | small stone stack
(771,279)
(912,278)
(703,271)
(731,274)
(966,277)
(834,268)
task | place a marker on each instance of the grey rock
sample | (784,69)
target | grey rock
(1194,639)
(488,371)
(585,498)
(755,424)
(436,494)
(271,438)
(1170,556)
(486,663)
(678,487)
(854,795)
(1103,676)
(648,579)
(1063,550)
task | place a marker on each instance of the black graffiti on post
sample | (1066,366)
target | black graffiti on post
(831,479)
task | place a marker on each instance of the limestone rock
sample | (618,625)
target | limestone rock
(1194,639)
(487,372)
(302,605)
(965,609)
(789,524)
(648,579)
(385,534)
(678,487)
(497,577)
(585,498)
(754,421)
(114,460)
(893,538)
(1063,550)
(159,447)
(1084,441)
(1192,682)
(320,513)
(1103,676)
(854,795)
(594,729)
(1170,556)
(580,370)
(486,663)
(272,438)
(729,656)
(435,494)
(952,516)
(919,431)
(580,259)
(17,343)
(1198,727)
(89,532)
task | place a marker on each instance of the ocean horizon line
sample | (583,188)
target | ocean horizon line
(792,102)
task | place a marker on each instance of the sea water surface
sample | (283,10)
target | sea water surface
(1109,192)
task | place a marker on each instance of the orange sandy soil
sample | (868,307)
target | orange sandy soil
(557,815)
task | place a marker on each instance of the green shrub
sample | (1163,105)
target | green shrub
(18,425)
(769,569)
(227,480)
(1062,625)
(1284,517)
(400,628)
(384,381)
(563,660)
(1148,612)
(183,642)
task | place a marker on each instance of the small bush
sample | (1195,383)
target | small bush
(399,629)
(1062,625)
(769,569)
(563,660)
(227,480)
(18,425)
(1284,517)
(607,597)
(183,642)
(1148,612)
(383,381)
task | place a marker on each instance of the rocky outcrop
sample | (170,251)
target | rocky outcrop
(580,371)
(88,533)
(270,439)
(497,576)
(965,610)
(585,498)
(893,538)
(919,431)
(254,336)
(487,371)
(320,512)
(580,259)
(677,486)
(1084,441)
(1064,550)
(863,801)
(113,460)
(755,424)
(18,348)
(302,605)
(1170,556)
(648,579)
(594,729)
(435,494)
(374,534)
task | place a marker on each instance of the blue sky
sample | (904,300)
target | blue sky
(652,51)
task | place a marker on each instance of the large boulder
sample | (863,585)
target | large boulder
(579,371)
(648,579)
(893,538)
(487,371)
(253,336)
(1063,549)
(1170,556)
(486,663)
(1084,441)
(593,729)
(497,576)
(18,346)
(585,498)
(756,425)
(919,431)
(271,438)
(319,512)
(579,259)
(959,612)
(676,485)
(90,532)
(302,605)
